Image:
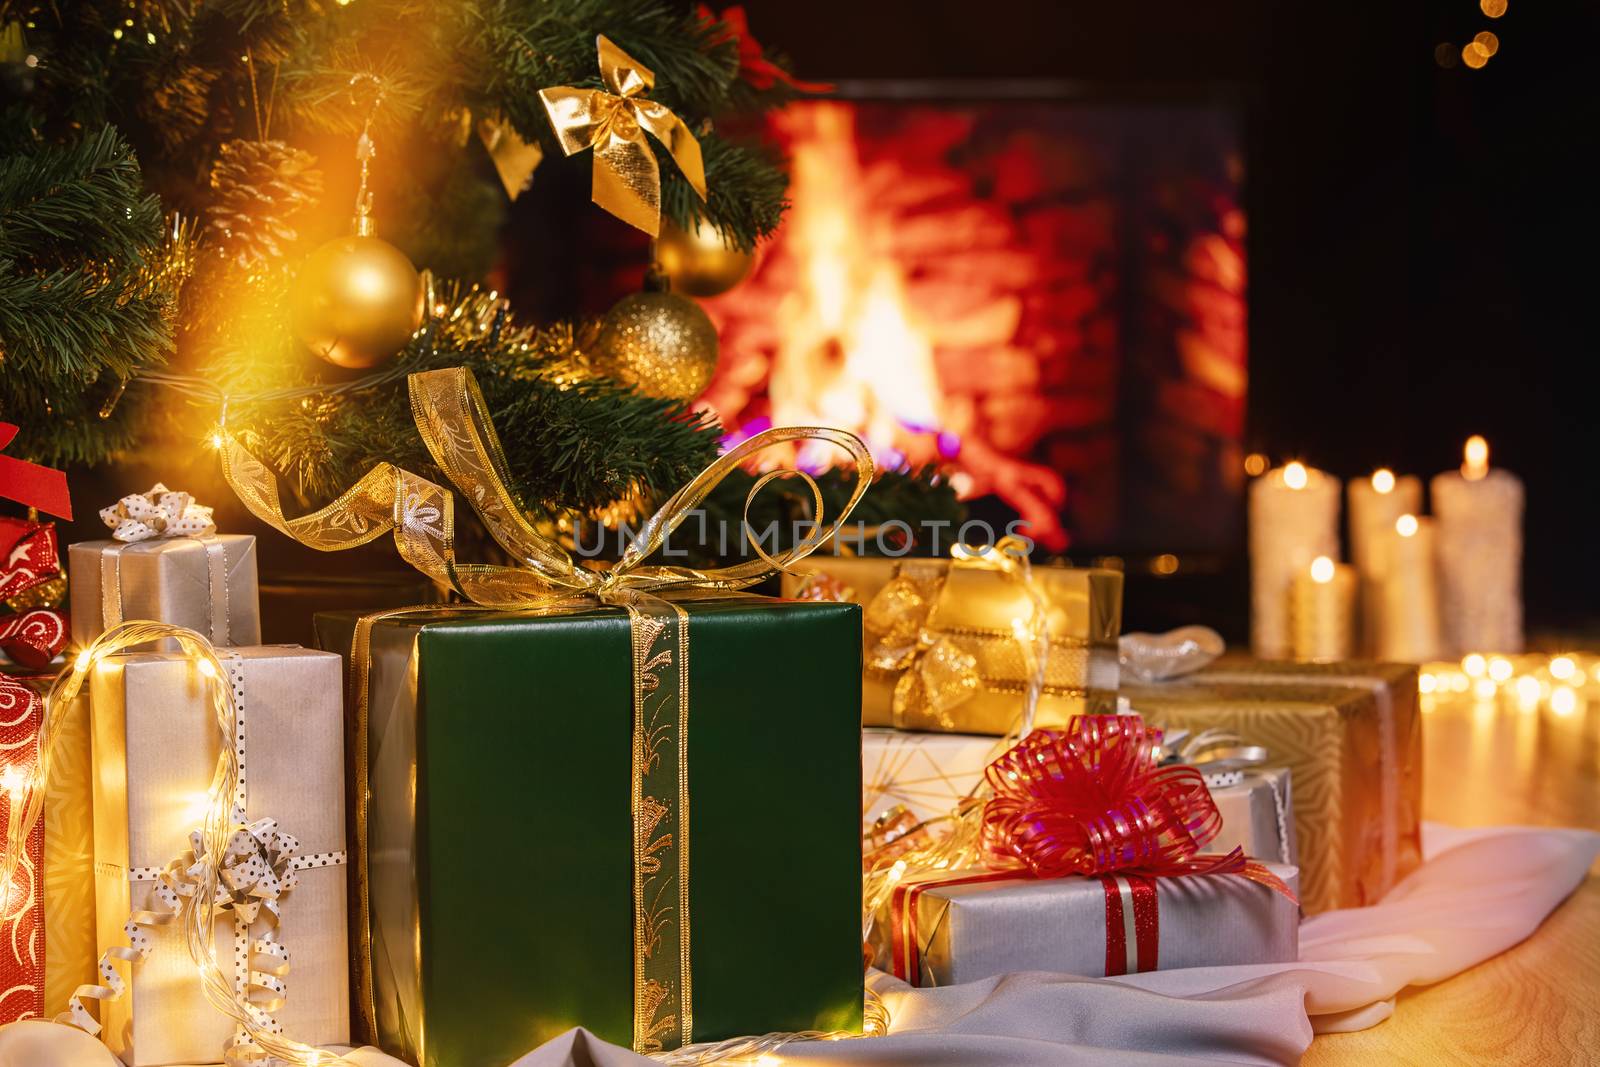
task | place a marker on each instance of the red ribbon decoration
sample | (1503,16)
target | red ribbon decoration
(1091,801)
(30,556)
(27,483)
(754,66)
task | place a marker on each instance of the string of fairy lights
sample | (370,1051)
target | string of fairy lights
(1476,53)
(1564,683)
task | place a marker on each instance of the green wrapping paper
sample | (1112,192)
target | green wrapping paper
(500,828)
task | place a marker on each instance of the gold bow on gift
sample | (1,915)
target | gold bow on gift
(158,513)
(937,675)
(627,178)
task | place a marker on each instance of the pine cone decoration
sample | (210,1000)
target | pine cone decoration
(260,186)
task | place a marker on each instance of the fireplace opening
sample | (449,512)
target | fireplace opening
(1046,296)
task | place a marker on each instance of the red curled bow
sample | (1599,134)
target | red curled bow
(1092,800)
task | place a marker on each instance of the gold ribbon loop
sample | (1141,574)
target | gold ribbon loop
(627,178)
(454,423)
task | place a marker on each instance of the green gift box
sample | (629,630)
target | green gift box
(501,837)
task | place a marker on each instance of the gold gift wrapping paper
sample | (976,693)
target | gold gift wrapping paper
(976,609)
(207,584)
(155,751)
(1352,739)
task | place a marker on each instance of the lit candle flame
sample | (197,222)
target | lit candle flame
(1322,570)
(1477,458)
(1383,480)
(1294,475)
(1406,526)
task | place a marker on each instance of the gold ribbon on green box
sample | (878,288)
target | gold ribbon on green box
(454,423)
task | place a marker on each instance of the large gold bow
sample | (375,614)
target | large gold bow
(454,423)
(936,674)
(627,178)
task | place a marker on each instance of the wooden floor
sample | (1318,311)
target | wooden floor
(1540,1002)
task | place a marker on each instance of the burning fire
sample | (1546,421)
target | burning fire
(841,331)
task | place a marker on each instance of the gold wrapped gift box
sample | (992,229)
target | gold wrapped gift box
(941,640)
(1350,735)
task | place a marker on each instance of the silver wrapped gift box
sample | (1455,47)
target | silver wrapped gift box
(951,927)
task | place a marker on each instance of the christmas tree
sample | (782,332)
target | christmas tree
(176,241)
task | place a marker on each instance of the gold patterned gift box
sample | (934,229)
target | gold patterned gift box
(1351,737)
(942,649)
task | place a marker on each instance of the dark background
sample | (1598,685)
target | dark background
(1421,238)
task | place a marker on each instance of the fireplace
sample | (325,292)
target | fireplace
(1044,294)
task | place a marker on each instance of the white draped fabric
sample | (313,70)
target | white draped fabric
(1478,893)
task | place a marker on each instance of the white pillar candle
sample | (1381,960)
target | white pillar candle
(1480,554)
(1375,503)
(1294,518)
(1322,601)
(1405,593)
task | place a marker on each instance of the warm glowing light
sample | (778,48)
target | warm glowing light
(1166,563)
(1488,42)
(1406,526)
(1493,8)
(1474,665)
(204,667)
(1255,464)
(1500,669)
(1528,690)
(82,662)
(1562,668)
(1485,689)
(13,780)
(1294,475)
(767,1059)
(1476,456)
(1563,701)
(1383,480)
(1474,55)
(216,439)
(1322,569)
(1427,683)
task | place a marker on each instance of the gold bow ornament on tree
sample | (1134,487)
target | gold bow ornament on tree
(627,178)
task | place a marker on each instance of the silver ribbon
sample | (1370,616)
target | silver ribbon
(1163,657)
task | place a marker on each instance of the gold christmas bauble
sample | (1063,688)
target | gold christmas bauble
(698,261)
(356,301)
(662,344)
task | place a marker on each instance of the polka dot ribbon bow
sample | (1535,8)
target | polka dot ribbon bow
(158,513)
(258,869)
(1093,799)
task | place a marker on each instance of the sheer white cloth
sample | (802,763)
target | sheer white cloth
(1478,893)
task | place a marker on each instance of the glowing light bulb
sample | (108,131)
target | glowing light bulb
(1294,475)
(82,662)
(1562,667)
(1484,688)
(1500,669)
(216,438)
(1406,526)
(204,667)
(1383,480)
(1322,570)
(1474,665)
(1563,701)
(1255,464)
(13,780)
(1427,683)
(1476,456)
(1528,691)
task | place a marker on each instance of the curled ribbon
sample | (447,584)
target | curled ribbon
(627,178)
(454,424)
(158,513)
(1221,757)
(1091,800)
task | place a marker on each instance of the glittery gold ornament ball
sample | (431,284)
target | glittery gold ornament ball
(699,262)
(356,301)
(662,344)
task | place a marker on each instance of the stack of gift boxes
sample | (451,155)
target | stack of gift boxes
(581,816)
(1314,770)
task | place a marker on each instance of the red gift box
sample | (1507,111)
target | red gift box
(22,913)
